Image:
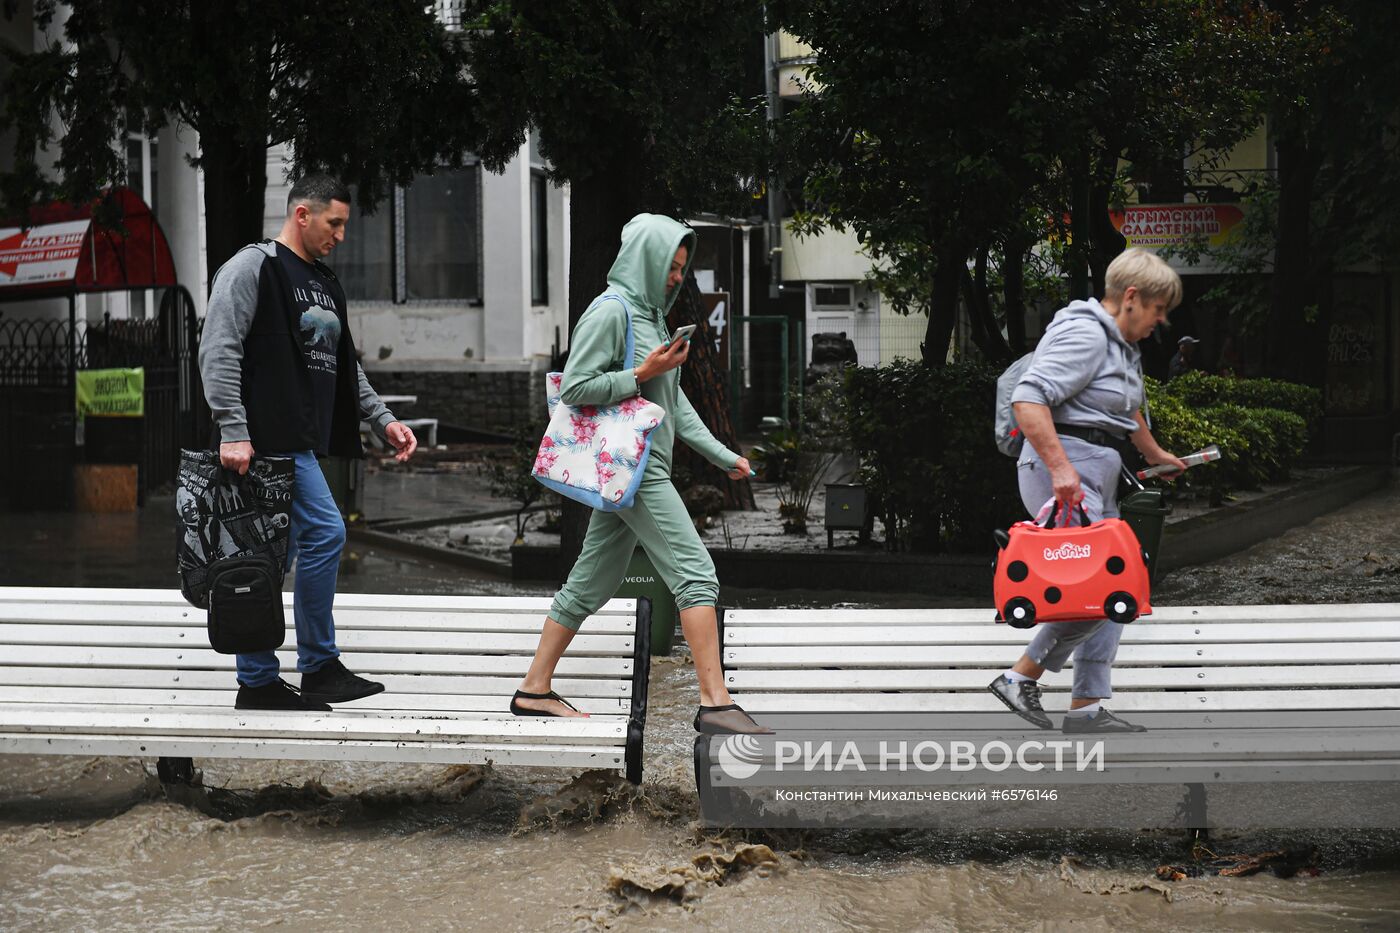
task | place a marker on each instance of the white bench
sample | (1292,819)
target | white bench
(1216,668)
(130,672)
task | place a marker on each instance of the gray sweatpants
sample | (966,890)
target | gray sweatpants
(1094,645)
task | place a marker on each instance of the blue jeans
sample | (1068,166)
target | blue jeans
(317,537)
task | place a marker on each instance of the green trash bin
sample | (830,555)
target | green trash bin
(1145,511)
(346,478)
(642,580)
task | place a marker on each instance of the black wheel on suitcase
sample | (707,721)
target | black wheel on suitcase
(1019,612)
(1120,607)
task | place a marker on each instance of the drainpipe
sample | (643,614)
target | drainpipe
(775,201)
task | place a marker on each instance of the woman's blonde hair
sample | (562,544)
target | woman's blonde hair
(1146,271)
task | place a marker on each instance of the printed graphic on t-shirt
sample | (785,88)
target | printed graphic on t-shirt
(320,326)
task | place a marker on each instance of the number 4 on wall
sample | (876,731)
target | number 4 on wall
(716,322)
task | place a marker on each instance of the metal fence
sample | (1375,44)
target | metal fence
(38,430)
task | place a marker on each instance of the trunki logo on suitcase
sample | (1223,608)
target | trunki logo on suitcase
(1069,551)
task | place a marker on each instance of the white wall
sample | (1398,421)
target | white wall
(180,200)
(826,257)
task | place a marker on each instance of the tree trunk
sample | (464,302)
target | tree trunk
(235,181)
(986,333)
(232,141)
(599,207)
(1080,236)
(704,383)
(1013,286)
(1294,288)
(943,305)
(1107,241)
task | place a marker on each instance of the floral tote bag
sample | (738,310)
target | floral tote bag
(596,453)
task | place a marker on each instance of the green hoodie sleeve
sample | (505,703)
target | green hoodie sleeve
(595,349)
(692,430)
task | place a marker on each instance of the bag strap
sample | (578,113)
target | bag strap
(1069,514)
(629,346)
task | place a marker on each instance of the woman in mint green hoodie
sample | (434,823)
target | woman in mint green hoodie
(651,265)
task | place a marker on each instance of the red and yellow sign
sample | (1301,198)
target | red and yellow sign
(1153,226)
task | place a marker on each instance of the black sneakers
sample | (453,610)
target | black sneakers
(1022,698)
(1101,722)
(334,684)
(277,695)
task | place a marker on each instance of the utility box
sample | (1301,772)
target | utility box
(642,580)
(1146,511)
(845,509)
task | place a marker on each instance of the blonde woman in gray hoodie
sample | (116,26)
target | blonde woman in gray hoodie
(1079,404)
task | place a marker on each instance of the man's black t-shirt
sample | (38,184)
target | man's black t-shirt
(321,322)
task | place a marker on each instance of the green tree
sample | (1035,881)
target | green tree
(640,105)
(1333,98)
(957,134)
(371,90)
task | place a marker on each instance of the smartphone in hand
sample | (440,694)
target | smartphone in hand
(682,333)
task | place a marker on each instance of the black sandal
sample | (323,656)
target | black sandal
(705,727)
(518,710)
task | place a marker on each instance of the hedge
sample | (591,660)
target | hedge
(1258,444)
(935,478)
(1202,390)
(928,459)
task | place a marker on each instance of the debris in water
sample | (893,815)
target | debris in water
(585,799)
(684,883)
(1283,863)
(1069,873)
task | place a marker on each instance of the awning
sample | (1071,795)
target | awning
(59,250)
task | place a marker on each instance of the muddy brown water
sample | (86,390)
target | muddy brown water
(92,843)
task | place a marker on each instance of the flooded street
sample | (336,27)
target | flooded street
(88,844)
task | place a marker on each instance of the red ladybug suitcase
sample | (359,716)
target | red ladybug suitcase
(1070,574)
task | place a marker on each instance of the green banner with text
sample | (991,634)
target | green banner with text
(111,393)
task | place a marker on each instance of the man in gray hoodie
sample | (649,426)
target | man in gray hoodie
(281,378)
(1079,404)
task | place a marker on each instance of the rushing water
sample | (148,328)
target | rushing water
(89,844)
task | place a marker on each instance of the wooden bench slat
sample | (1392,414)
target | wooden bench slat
(354,640)
(1264,614)
(395,603)
(1150,678)
(918,656)
(1364,698)
(1141,632)
(14,682)
(435,752)
(389,703)
(613,685)
(1275,744)
(1161,771)
(364,663)
(342,724)
(345,619)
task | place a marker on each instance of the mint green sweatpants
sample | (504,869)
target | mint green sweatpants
(659,522)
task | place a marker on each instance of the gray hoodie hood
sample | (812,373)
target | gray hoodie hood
(1084,371)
